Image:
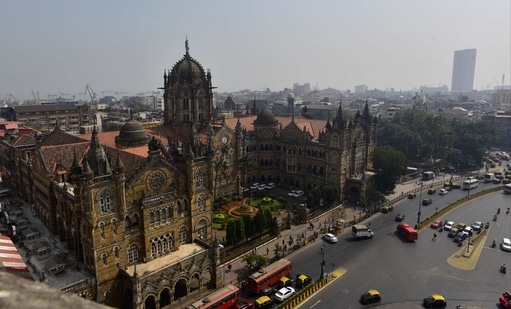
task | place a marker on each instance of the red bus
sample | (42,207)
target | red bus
(269,275)
(407,231)
(224,298)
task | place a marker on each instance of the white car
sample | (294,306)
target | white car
(292,193)
(298,193)
(284,293)
(270,185)
(477,226)
(449,225)
(261,187)
(330,238)
(506,244)
(443,192)
(254,186)
(468,230)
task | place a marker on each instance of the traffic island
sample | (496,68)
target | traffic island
(466,257)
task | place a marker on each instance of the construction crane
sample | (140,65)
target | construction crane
(92,94)
(37,101)
(503,77)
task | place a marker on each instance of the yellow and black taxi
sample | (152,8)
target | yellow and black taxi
(385,209)
(263,302)
(369,297)
(412,195)
(302,280)
(432,191)
(434,301)
(284,281)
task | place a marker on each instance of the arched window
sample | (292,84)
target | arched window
(133,253)
(104,258)
(105,199)
(202,229)
(200,178)
(201,202)
(116,252)
(182,235)
(101,226)
(114,226)
(334,141)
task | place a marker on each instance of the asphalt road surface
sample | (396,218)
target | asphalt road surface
(406,272)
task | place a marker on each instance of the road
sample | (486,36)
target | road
(406,272)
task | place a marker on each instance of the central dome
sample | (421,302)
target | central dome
(265,117)
(132,134)
(187,70)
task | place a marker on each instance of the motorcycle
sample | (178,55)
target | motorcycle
(487,226)
(493,244)
(498,211)
(507,210)
(495,218)
(502,269)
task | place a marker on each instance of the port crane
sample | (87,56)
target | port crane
(92,94)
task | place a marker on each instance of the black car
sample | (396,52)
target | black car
(460,237)
(427,201)
(399,217)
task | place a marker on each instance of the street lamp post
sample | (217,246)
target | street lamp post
(420,204)
(323,261)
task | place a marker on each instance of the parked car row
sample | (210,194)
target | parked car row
(296,193)
(260,186)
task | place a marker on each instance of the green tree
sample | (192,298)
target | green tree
(255,261)
(259,222)
(230,232)
(240,229)
(248,224)
(390,164)
(268,216)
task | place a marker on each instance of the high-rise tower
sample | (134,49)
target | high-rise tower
(463,70)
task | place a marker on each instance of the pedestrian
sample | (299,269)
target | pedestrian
(267,251)
(434,236)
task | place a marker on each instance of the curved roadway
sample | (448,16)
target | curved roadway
(406,272)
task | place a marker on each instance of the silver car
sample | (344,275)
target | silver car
(506,244)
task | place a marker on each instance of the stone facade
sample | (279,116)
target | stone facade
(136,209)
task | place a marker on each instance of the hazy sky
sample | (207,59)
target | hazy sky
(55,46)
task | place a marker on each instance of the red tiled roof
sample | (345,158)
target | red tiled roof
(24,140)
(59,137)
(313,126)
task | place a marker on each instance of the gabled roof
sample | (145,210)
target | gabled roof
(59,137)
(24,140)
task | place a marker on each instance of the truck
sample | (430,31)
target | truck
(361,231)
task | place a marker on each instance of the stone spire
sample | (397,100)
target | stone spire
(96,156)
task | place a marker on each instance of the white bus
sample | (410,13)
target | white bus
(470,183)
(488,177)
(507,188)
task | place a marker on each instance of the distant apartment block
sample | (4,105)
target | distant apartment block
(361,89)
(501,100)
(463,70)
(301,90)
(69,117)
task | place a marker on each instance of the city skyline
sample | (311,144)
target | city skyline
(57,48)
